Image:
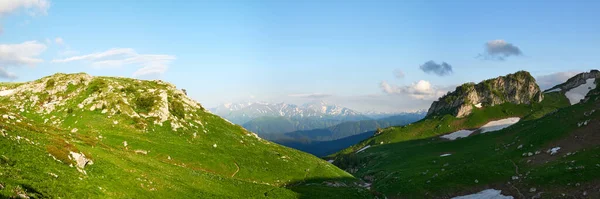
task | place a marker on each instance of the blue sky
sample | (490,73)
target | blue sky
(344,52)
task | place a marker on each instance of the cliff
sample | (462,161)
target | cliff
(518,88)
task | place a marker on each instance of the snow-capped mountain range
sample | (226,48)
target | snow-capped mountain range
(241,113)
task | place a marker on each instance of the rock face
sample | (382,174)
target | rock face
(575,81)
(518,88)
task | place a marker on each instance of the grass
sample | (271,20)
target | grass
(183,163)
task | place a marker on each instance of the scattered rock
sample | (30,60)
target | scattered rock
(81,160)
(553,151)
(53,175)
(141,152)
(74,130)
(215,145)
(533,189)
(125,143)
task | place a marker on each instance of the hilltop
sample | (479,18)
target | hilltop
(80,136)
(517,88)
(546,149)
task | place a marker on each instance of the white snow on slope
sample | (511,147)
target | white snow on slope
(7,92)
(446,154)
(366,147)
(554,150)
(577,94)
(499,124)
(485,194)
(478,105)
(490,126)
(457,134)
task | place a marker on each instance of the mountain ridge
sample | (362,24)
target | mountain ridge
(241,113)
(553,146)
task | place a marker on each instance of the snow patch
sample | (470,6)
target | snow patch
(478,105)
(485,194)
(446,154)
(364,148)
(330,161)
(499,124)
(554,150)
(457,134)
(575,95)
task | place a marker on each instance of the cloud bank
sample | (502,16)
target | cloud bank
(149,64)
(18,55)
(33,7)
(550,80)
(418,90)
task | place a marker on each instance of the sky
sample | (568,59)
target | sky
(386,56)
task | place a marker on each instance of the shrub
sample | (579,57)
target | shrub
(129,89)
(176,108)
(96,86)
(50,83)
(144,104)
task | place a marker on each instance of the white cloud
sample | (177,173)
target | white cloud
(17,55)
(59,41)
(399,74)
(149,64)
(418,90)
(33,7)
(550,80)
(7,75)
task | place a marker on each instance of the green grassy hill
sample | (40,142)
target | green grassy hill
(78,136)
(414,162)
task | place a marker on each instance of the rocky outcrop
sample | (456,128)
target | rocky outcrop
(518,88)
(575,81)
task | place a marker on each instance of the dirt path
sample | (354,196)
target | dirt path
(236,171)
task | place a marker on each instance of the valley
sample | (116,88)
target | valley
(73,133)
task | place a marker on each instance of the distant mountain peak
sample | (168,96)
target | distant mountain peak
(243,112)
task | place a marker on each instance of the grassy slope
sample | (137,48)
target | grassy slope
(177,163)
(438,125)
(408,164)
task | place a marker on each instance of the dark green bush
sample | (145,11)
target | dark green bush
(96,86)
(50,83)
(176,108)
(144,104)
